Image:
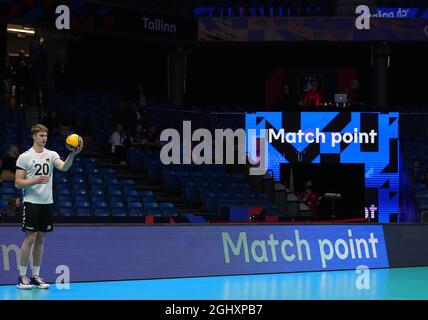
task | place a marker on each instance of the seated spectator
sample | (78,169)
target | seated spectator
(13,207)
(8,164)
(313,97)
(52,123)
(137,137)
(310,198)
(151,139)
(118,145)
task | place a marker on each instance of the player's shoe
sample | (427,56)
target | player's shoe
(24,283)
(38,283)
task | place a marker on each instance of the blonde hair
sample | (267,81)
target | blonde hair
(38,128)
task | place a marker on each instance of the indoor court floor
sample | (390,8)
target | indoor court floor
(385,284)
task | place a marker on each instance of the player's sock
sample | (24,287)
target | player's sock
(22,270)
(36,271)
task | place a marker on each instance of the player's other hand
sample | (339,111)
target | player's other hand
(41,179)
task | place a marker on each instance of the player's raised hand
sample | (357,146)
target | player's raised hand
(41,179)
(77,151)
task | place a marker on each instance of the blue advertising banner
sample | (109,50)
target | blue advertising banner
(96,253)
(297,29)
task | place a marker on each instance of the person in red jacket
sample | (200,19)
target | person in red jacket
(313,97)
(310,197)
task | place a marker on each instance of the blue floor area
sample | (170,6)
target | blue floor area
(385,284)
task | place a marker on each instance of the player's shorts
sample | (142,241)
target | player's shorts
(37,217)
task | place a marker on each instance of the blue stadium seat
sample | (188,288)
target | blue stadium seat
(79,187)
(210,175)
(95,180)
(62,192)
(133,199)
(110,186)
(77,161)
(135,158)
(115,193)
(262,196)
(135,205)
(126,182)
(244,185)
(215,184)
(146,194)
(230,185)
(191,194)
(201,182)
(235,196)
(61,180)
(171,183)
(77,170)
(219,190)
(79,192)
(8,184)
(62,186)
(97,199)
(153,211)
(81,198)
(3,204)
(221,195)
(99,205)
(64,198)
(131,193)
(117,208)
(129,187)
(148,199)
(167,208)
(117,199)
(5,197)
(154,172)
(166,205)
(150,205)
(238,177)
(83,208)
(96,192)
(195,219)
(61,174)
(90,166)
(210,204)
(64,206)
(94,172)
(68,212)
(108,171)
(233,190)
(111,181)
(182,173)
(196,174)
(78,175)
(102,212)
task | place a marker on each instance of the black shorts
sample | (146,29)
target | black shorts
(37,217)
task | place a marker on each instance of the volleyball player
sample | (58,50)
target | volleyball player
(34,175)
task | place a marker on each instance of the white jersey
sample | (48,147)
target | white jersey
(35,164)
